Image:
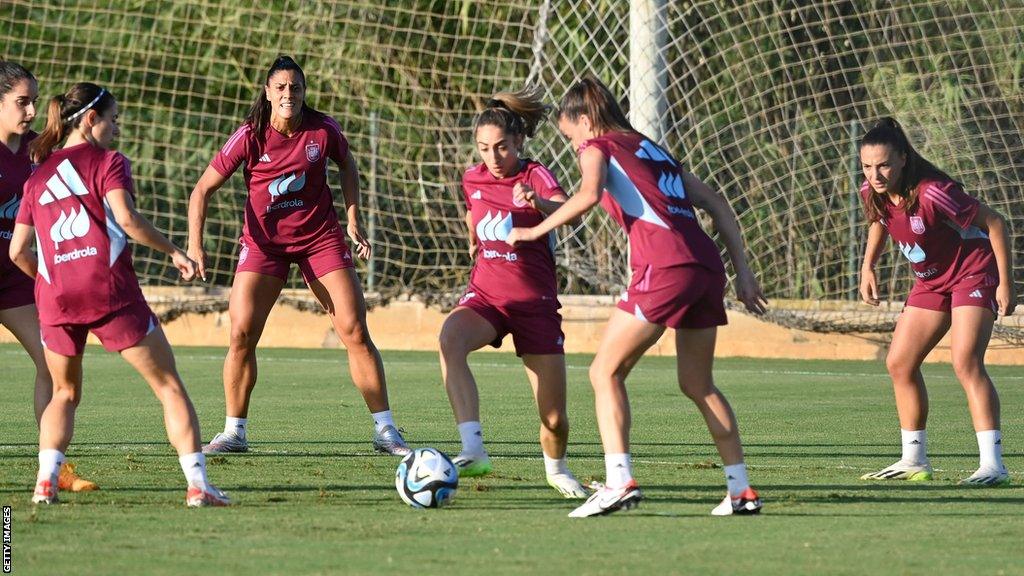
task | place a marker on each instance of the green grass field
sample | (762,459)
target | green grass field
(312,498)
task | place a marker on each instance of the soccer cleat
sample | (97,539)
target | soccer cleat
(390,441)
(567,485)
(226,443)
(45,493)
(902,471)
(746,503)
(987,477)
(470,466)
(196,497)
(606,500)
(69,480)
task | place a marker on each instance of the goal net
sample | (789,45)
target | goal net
(764,100)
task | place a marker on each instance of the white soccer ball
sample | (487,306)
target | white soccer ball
(426,478)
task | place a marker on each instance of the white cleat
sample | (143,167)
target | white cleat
(226,443)
(567,485)
(902,471)
(197,497)
(607,500)
(746,503)
(987,477)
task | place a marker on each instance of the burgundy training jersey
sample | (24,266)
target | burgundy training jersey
(938,238)
(14,171)
(503,275)
(645,195)
(85,263)
(290,203)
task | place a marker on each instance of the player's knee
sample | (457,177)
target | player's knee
(67,393)
(696,389)
(968,368)
(899,368)
(353,335)
(242,339)
(555,422)
(451,342)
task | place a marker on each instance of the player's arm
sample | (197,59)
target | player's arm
(994,225)
(702,196)
(872,252)
(350,191)
(198,204)
(21,249)
(140,229)
(595,171)
(547,206)
(472,234)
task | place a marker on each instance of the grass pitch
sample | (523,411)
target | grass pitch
(312,497)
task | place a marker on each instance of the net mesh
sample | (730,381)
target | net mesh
(765,101)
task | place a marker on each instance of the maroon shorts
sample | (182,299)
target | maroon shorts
(537,332)
(327,254)
(16,290)
(116,331)
(688,296)
(974,290)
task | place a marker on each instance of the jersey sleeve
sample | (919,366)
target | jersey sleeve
(337,144)
(117,175)
(25,210)
(544,183)
(233,153)
(465,195)
(951,202)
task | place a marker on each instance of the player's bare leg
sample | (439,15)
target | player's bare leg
(546,373)
(57,425)
(23,322)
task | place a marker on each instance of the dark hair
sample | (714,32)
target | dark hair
(888,132)
(259,113)
(65,112)
(591,97)
(11,74)
(517,113)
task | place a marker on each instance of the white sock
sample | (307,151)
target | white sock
(553,466)
(472,438)
(382,420)
(194,467)
(618,470)
(915,446)
(49,464)
(990,448)
(235,426)
(736,478)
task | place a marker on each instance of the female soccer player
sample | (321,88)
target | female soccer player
(283,146)
(79,206)
(959,250)
(511,291)
(18,94)
(678,281)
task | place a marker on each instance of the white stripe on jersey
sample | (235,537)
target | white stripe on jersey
(942,200)
(242,131)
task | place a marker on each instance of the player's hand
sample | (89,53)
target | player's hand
(1006,298)
(198,259)
(749,292)
(185,265)
(523,193)
(518,235)
(472,248)
(869,286)
(359,241)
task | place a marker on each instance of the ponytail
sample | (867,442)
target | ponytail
(516,113)
(64,113)
(591,97)
(888,132)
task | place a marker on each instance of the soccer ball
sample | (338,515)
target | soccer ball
(426,478)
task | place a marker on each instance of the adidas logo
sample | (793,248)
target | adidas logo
(976,294)
(9,209)
(265,158)
(651,151)
(63,187)
(495,227)
(476,195)
(912,442)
